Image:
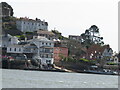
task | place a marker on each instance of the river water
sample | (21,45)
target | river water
(43,79)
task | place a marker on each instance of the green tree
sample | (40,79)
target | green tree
(91,36)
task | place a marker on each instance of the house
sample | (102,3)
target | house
(16,50)
(107,52)
(44,33)
(60,51)
(98,52)
(30,25)
(75,37)
(8,40)
(38,46)
(44,49)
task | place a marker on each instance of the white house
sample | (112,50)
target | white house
(15,49)
(36,47)
(108,52)
(30,25)
(8,40)
(27,49)
(45,49)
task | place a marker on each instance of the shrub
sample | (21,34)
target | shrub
(111,63)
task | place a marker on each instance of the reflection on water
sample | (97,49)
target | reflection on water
(40,79)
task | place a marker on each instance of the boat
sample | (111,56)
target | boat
(104,72)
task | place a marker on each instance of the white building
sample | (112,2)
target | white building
(8,40)
(36,47)
(45,49)
(16,50)
(108,52)
(30,25)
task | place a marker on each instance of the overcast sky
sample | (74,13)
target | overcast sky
(73,17)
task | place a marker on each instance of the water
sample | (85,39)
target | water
(42,79)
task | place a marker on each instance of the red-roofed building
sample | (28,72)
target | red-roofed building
(95,51)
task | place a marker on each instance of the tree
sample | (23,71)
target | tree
(95,35)
(91,36)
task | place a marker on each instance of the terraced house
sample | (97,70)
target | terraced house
(30,25)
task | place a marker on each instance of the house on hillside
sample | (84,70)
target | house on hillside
(108,52)
(48,34)
(17,50)
(30,25)
(60,52)
(37,48)
(6,41)
(98,52)
(44,49)
(75,37)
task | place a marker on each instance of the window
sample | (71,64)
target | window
(48,61)
(42,42)
(24,22)
(46,55)
(19,49)
(15,49)
(46,43)
(50,43)
(42,56)
(10,49)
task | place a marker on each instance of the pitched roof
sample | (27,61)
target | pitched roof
(98,48)
(45,32)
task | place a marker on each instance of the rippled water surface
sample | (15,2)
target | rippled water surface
(42,79)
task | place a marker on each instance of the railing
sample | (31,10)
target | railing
(30,51)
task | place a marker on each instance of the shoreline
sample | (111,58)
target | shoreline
(63,70)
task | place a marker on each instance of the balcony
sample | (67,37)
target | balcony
(30,51)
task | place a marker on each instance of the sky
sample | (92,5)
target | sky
(73,17)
